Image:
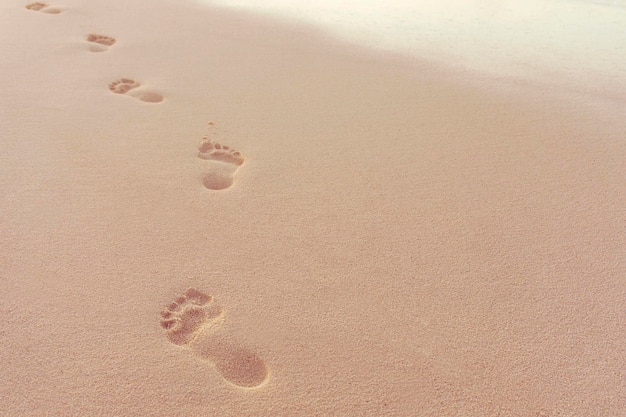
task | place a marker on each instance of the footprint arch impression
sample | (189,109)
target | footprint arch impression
(222,165)
(195,322)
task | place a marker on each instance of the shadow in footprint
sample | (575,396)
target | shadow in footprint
(195,322)
(43,7)
(238,365)
(99,43)
(129,86)
(224,163)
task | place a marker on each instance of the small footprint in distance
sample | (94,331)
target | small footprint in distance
(195,322)
(43,7)
(223,163)
(129,86)
(99,43)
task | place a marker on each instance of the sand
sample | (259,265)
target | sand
(209,213)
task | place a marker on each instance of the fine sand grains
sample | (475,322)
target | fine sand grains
(406,242)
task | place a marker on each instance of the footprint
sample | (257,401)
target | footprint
(99,43)
(211,150)
(195,322)
(43,7)
(125,85)
(187,314)
(225,162)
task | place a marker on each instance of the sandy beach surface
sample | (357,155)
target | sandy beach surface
(209,213)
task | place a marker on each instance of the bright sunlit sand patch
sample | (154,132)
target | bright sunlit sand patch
(568,43)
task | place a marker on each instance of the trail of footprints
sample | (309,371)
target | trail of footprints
(221,161)
(193,320)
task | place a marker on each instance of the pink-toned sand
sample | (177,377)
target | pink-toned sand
(391,238)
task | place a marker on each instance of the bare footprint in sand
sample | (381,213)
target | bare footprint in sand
(43,7)
(128,86)
(99,43)
(223,165)
(195,322)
